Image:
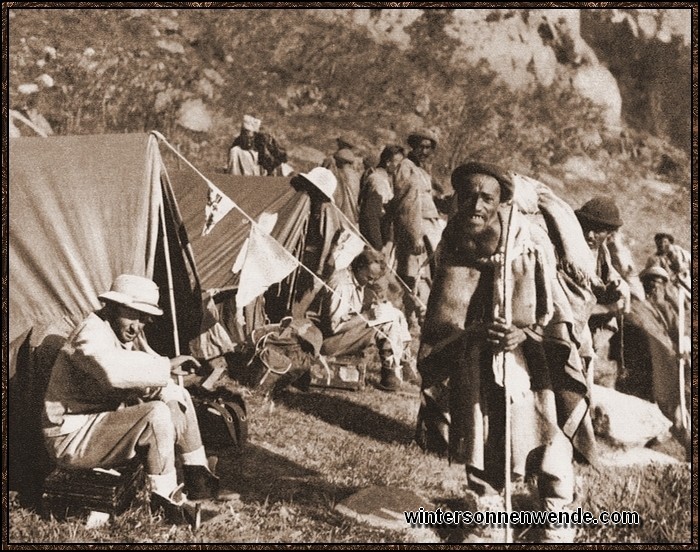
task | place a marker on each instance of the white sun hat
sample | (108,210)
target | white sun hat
(135,292)
(323,179)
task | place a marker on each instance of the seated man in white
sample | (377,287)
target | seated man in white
(350,322)
(110,397)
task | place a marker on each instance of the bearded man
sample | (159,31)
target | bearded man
(463,396)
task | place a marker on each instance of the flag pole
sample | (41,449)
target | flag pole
(503,306)
(171,291)
(358,233)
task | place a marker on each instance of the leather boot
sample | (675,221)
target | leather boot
(176,509)
(200,483)
(389,382)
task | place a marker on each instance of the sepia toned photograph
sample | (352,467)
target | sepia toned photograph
(399,273)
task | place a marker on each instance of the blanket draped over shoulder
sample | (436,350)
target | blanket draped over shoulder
(457,407)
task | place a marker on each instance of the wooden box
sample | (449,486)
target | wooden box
(77,491)
(339,373)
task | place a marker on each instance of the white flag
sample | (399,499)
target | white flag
(266,222)
(218,206)
(266,263)
(349,246)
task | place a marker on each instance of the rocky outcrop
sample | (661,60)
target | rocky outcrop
(194,115)
(648,52)
(627,61)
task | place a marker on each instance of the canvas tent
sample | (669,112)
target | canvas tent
(82,210)
(217,251)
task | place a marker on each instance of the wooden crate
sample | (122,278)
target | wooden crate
(79,491)
(339,373)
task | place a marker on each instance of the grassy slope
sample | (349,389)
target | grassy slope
(309,81)
(308,451)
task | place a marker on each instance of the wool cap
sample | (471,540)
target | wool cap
(423,134)
(460,177)
(601,210)
(662,235)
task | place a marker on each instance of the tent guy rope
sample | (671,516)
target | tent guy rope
(252,221)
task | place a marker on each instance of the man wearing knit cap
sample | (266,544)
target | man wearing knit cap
(243,157)
(110,397)
(417,222)
(465,377)
(599,218)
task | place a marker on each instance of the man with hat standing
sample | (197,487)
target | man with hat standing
(111,397)
(242,156)
(466,328)
(417,222)
(673,259)
(323,225)
(343,165)
(599,218)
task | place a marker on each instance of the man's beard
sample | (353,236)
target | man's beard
(474,245)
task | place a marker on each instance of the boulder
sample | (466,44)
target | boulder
(596,83)
(635,456)
(171,46)
(45,81)
(28,88)
(582,167)
(214,76)
(194,115)
(163,99)
(384,507)
(625,421)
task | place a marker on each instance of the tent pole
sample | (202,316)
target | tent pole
(171,292)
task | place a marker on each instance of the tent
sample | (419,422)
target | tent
(83,209)
(217,251)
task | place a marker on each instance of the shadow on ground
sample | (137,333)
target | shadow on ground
(262,475)
(349,416)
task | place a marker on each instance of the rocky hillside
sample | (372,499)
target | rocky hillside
(633,63)
(553,93)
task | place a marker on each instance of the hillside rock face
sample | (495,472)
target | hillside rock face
(606,55)
(648,52)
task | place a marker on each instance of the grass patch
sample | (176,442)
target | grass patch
(309,451)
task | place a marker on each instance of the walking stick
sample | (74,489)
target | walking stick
(622,371)
(681,362)
(503,288)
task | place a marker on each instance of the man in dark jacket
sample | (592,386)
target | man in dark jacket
(417,222)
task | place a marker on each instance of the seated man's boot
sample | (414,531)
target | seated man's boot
(200,483)
(176,509)
(408,368)
(389,382)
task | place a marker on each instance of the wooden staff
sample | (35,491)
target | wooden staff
(681,361)
(503,306)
